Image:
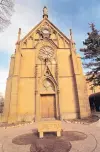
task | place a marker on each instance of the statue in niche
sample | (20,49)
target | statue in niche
(45,11)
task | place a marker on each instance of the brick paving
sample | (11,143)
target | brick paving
(89,144)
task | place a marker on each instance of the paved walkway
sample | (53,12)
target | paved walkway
(90,144)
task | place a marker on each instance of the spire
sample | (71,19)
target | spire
(45,12)
(72,43)
(18,42)
(19,33)
(71,37)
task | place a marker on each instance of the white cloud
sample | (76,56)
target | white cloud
(23,17)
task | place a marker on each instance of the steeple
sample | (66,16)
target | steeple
(45,12)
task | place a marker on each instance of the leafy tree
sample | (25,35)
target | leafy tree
(91,59)
(6,10)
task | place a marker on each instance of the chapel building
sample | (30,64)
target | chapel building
(45,79)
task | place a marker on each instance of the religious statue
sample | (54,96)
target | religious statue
(45,11)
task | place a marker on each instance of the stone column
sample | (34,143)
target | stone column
(8,90)
(12,116)
(58,93)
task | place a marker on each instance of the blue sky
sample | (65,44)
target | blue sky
(65,14)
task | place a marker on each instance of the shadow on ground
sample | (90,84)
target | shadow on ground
(50,142)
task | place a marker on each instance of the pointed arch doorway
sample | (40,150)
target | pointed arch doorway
(48,100)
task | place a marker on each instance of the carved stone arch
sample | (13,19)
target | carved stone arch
(48,74)
(50,82)
(53,81)
(47,98)
(49,85)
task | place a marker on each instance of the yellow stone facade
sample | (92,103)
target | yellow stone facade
(45,77)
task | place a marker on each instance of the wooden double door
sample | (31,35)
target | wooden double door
(48,106)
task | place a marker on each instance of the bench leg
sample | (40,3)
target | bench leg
(58,133)
(41,134)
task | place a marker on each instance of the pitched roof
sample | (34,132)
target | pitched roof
(53,26)
(59,31)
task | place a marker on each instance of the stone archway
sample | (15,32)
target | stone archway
(48,100)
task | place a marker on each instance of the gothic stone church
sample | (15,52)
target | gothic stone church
(45,79)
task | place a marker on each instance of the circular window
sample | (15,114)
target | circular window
(46,53)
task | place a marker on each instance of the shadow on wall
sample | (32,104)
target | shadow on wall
(94,100)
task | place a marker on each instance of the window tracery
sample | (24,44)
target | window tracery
(46,53)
